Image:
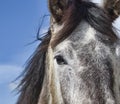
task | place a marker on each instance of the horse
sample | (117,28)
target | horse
(78,60)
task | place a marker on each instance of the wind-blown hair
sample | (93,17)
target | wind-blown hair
(87,11)
(77,11)
(31,84)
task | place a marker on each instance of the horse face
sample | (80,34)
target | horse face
(84,68)
(84,61)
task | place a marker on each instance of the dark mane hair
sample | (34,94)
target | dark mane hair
(77,11)
(80,10)
(31,84)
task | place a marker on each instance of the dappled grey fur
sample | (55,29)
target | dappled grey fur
(86,58)
(88,77)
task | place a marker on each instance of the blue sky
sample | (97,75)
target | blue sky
(19,21)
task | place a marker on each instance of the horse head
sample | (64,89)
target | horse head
(77,61)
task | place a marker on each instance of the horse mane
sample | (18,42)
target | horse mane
(82,10)
(31,84)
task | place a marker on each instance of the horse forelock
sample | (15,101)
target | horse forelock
(32,83)
(89,12)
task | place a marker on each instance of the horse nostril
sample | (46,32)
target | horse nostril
(60,60)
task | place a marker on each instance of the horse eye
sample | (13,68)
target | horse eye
(60,60)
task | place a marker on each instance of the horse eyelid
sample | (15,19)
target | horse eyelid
(60,60)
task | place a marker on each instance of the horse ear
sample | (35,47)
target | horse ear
(112,7)
(57,8)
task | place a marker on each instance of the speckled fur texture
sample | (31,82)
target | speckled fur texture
(77,61)
(91,74)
